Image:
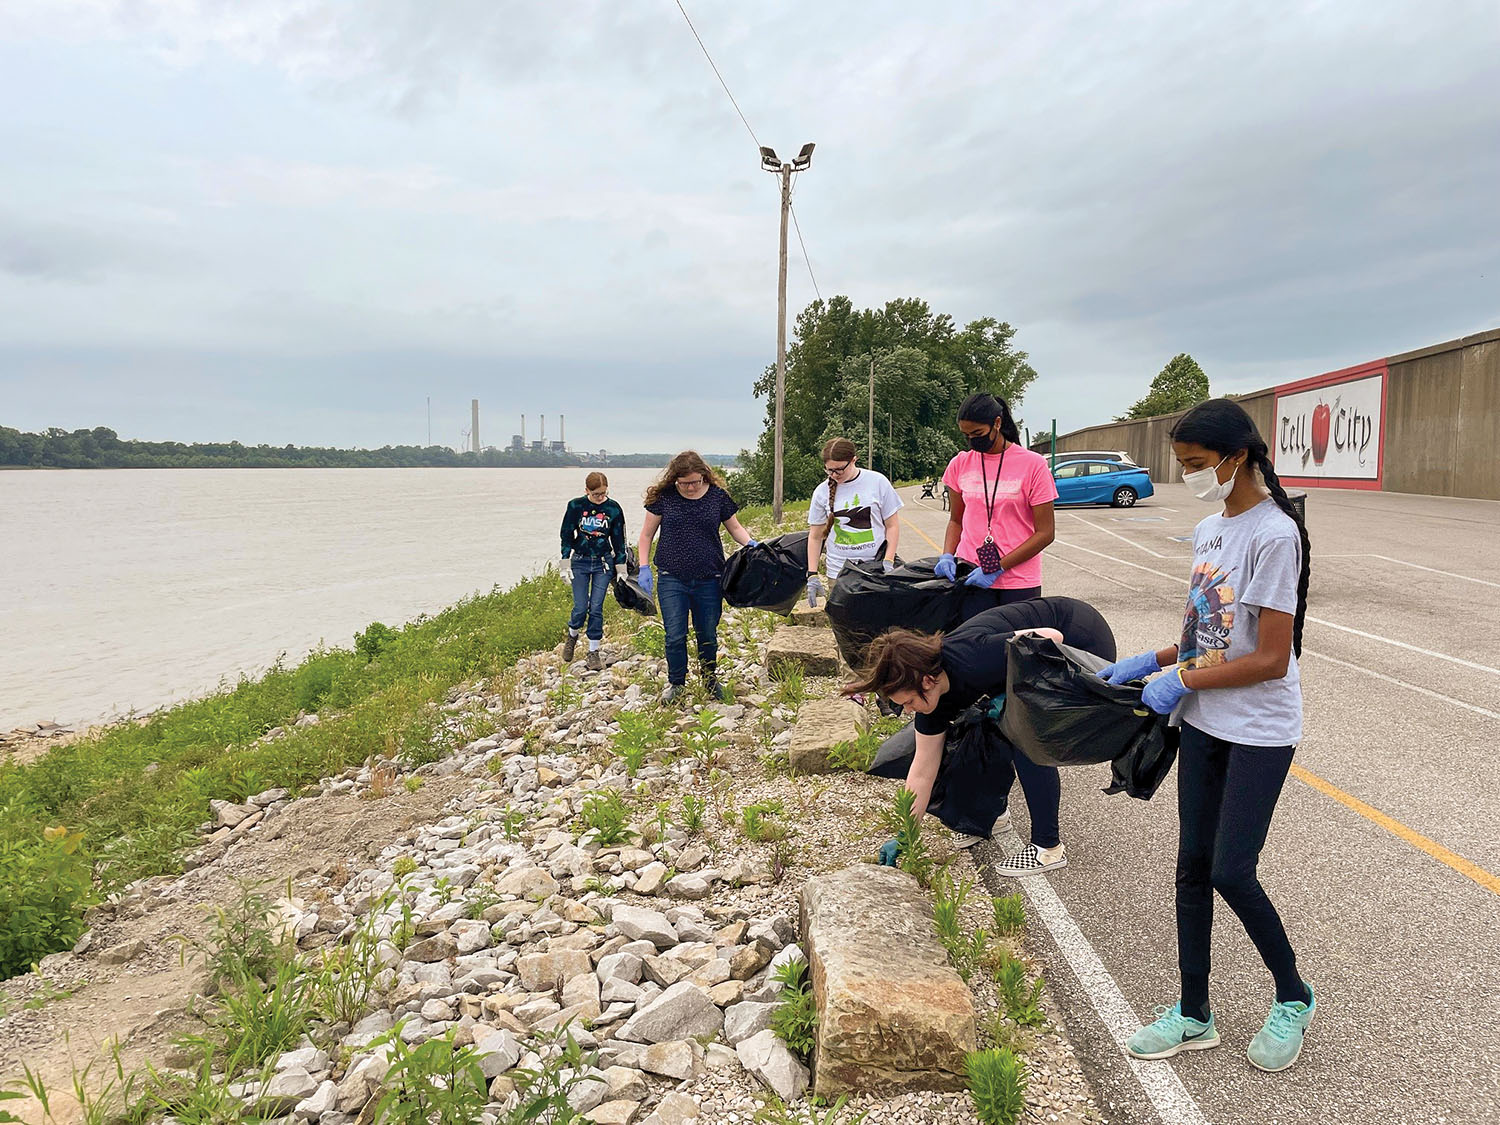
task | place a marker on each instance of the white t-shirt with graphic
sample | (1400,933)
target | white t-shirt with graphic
(1241,565)
(861,507)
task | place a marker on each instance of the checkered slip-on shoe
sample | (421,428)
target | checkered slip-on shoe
(1030,861)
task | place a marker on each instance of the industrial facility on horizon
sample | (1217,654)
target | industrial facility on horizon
(540,445)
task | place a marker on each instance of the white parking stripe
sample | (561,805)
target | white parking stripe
(1414,566)
(1402,683)
(1159,1081)
(1317,620)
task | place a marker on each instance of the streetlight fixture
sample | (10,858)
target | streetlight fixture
(770,162)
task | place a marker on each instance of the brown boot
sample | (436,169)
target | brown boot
(595,661)
(569,647)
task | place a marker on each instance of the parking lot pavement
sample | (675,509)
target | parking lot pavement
(1384,856)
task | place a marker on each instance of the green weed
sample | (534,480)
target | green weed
(997,1083)
(255,1020)
(704,739)
(777,1112)
(433,1082)
(1020,994)
(692,814)
(900,821)
(544,1089)
(795,1020)
(405,865)
(966,950)
(791,684)
(759,823)
(1010,915)
(606,813)
(640,733)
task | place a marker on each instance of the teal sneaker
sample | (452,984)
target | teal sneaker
(1172,1032)
(1279,1041)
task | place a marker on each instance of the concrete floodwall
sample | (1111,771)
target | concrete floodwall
(1436,423)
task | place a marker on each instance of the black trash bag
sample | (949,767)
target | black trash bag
(628,590)
(865,602)
(974,779)
(1059,712)
(770,575)
(1141,769)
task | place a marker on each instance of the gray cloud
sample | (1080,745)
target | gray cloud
(525,201)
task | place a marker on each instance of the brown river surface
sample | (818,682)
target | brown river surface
(122,590)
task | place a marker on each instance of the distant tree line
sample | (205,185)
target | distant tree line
(925,365)
(102,448)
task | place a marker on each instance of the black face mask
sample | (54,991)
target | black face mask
(982,443)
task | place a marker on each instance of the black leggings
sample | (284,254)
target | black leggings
(1226,793)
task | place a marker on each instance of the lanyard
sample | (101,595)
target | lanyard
(989,497)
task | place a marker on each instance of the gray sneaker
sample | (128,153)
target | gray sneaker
(570,646)
(595,661)
(675,694)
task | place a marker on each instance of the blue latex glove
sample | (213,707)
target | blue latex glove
(814,590)
(1165,692)
(753,543)
(979,577)
(888,853)
(1131,668)
(947,567)
(645,577)
(887,566)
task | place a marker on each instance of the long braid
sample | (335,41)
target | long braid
(1262,459)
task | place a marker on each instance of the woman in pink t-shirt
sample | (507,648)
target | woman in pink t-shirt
(999,504)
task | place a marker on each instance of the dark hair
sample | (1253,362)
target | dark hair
(688,461)
(1224,427)
(897,660)
(985,407)
(838,449)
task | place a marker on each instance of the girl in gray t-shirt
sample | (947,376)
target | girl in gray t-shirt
(1231,683)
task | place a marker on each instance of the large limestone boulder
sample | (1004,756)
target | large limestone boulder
(893,1014)
(802,615)
(821,725)
(813,649)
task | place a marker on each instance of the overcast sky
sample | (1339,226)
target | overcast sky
(293,220)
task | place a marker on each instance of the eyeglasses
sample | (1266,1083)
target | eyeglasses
(696,482)
(839,469)
(599,495)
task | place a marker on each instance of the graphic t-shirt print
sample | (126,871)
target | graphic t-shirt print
(853,526)
(594,525)
(1209,618)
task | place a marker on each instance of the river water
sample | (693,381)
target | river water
(122,590)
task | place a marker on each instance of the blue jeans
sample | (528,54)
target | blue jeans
(704,599)
(590,581)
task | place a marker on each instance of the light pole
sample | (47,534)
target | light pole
(773,163)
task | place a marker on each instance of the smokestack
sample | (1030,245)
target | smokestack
(523,429)
(544,429)
(561,420)
(474,431)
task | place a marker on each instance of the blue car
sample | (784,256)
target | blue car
(1101,482)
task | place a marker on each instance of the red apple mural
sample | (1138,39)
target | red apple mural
(1321,418)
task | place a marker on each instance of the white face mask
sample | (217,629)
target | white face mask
(1205,483)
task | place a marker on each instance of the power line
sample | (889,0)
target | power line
(717,75)
(807,261)
(805,258)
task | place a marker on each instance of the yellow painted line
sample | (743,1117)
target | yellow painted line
(1449,858)
(935,546)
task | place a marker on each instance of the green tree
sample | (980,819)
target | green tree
(1179,385)
(924,367)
